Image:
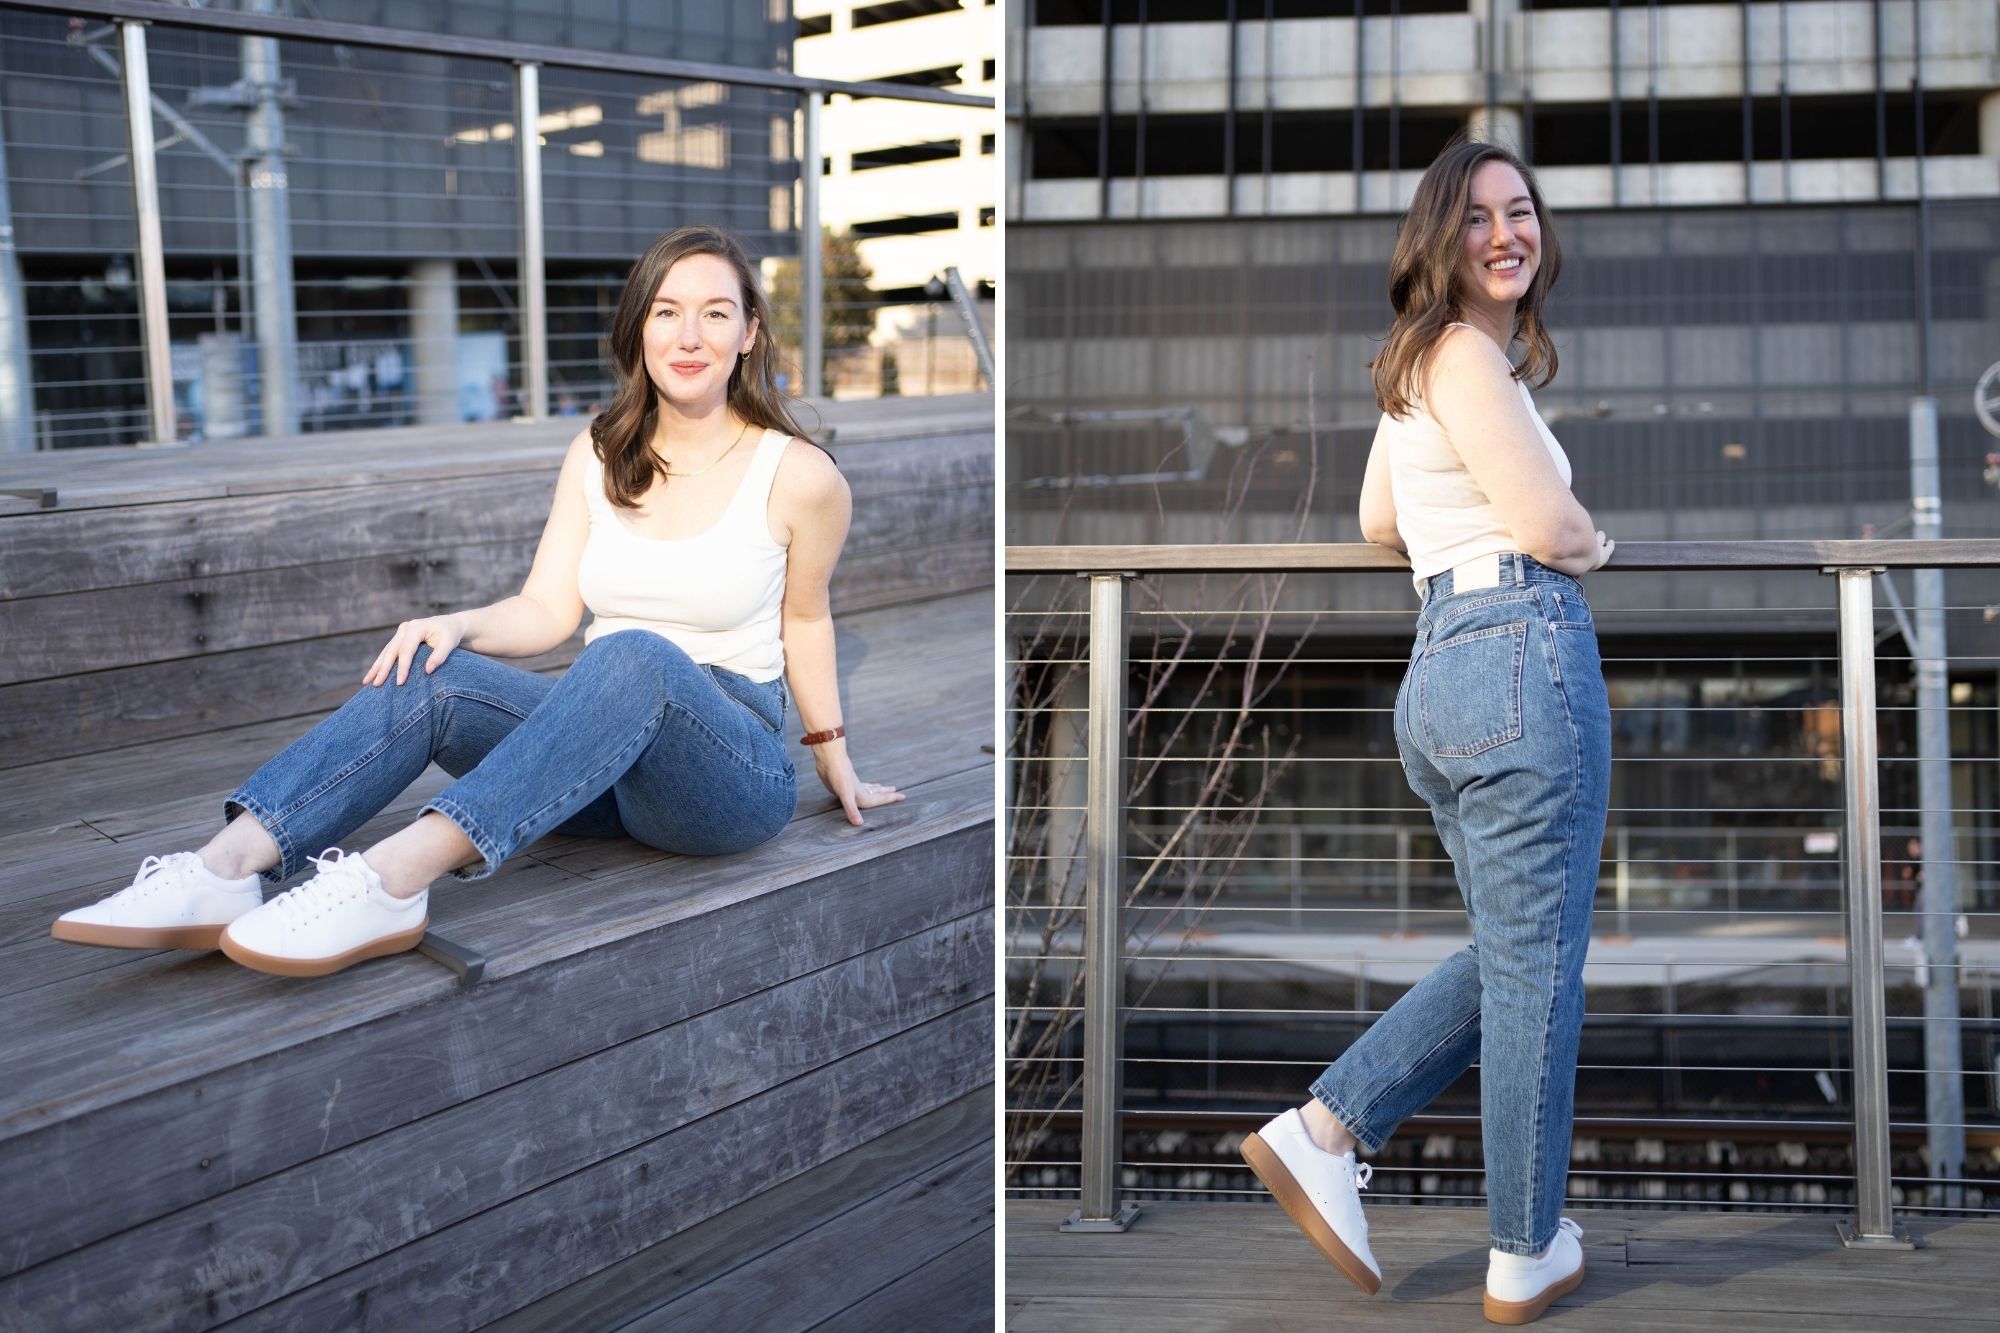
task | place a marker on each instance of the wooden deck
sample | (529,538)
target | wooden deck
(1244,1268)
(678,1078)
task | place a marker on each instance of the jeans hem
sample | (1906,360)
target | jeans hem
(489,851)
(289,860)
(1525,1249)
(1353,1124)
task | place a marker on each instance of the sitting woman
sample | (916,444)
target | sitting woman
(700,529)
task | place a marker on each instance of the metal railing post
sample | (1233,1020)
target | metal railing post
(152,255)
(1103,931)
(812,261)
(1873,1226)
(534,304)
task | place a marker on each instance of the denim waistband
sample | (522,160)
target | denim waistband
(1516,571)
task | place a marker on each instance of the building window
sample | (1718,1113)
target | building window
(867,16)
(903,155)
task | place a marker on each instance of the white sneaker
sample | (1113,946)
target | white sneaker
(1518,1288)
(174,902)
(338,917)
(1321,1192)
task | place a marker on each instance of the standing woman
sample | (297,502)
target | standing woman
(699,527)
(1504,731)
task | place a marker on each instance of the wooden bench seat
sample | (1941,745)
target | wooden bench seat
(657,1043)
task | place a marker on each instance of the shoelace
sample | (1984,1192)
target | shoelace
(153,872)
(1363,1173)
(1575,1231)
(340,879)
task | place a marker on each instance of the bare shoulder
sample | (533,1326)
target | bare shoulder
(580,449)
(1464,363)
(808,477)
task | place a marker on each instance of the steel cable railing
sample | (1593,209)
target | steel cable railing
(1701,882)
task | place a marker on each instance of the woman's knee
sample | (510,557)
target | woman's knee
(633,651)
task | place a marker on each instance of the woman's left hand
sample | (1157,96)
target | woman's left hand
(836,772)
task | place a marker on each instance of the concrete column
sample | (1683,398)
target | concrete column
(1503,128)
(434,340)
(270,233)
(1496,19)
(17,381)
(1989,125)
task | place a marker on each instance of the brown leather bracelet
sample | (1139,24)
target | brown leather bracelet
(822,737)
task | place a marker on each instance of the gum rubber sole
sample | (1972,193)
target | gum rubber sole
(1525,1312)
(1286,1189)
(139,937)
(319,967)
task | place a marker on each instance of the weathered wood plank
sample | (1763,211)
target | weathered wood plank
(65,635)
(951,634)
(66,551)
(851,1257)
(287,1231)
(616,1208)
(952,1293)
(104,710)
(69,551)
(210,1121)
(127,625)
(89,478)
(1761,1271)
(708,1250)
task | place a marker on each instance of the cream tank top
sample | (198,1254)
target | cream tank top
(718,595)
(1442,515)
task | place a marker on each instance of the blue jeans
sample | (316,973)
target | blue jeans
(634,740)
(1505,732)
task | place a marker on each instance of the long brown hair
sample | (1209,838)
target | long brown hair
(1423,274)
(623,432)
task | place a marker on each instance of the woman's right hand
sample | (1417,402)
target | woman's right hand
(442,633)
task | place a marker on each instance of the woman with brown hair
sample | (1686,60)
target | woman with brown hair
(1504,730)
(700,527)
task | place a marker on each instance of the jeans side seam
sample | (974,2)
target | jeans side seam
(1541,1127)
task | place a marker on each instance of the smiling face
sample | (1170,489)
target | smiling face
(1503,238)
(696,330)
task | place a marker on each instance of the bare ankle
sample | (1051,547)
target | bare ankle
(1325,1130)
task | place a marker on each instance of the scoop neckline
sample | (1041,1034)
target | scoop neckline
(735,497)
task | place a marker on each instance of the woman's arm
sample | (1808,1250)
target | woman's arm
(1378,500)
(542,615)
(549,606)
(811,499)
(1470,390)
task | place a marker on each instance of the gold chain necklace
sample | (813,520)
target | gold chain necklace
(668,469)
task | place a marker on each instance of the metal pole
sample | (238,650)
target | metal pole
(1623,843)
(534,293)
(812,265)
(17,377)
(1944,1085)
(974,330)
(1403,880)
(1103,933)
(270,234)
(152,257)
(1874,1227)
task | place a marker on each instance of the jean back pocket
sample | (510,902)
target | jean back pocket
(1469,690)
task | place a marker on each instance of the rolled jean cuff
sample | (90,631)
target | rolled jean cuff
(1525,1249)
(491,852)
(1358,1126)
(290,862)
